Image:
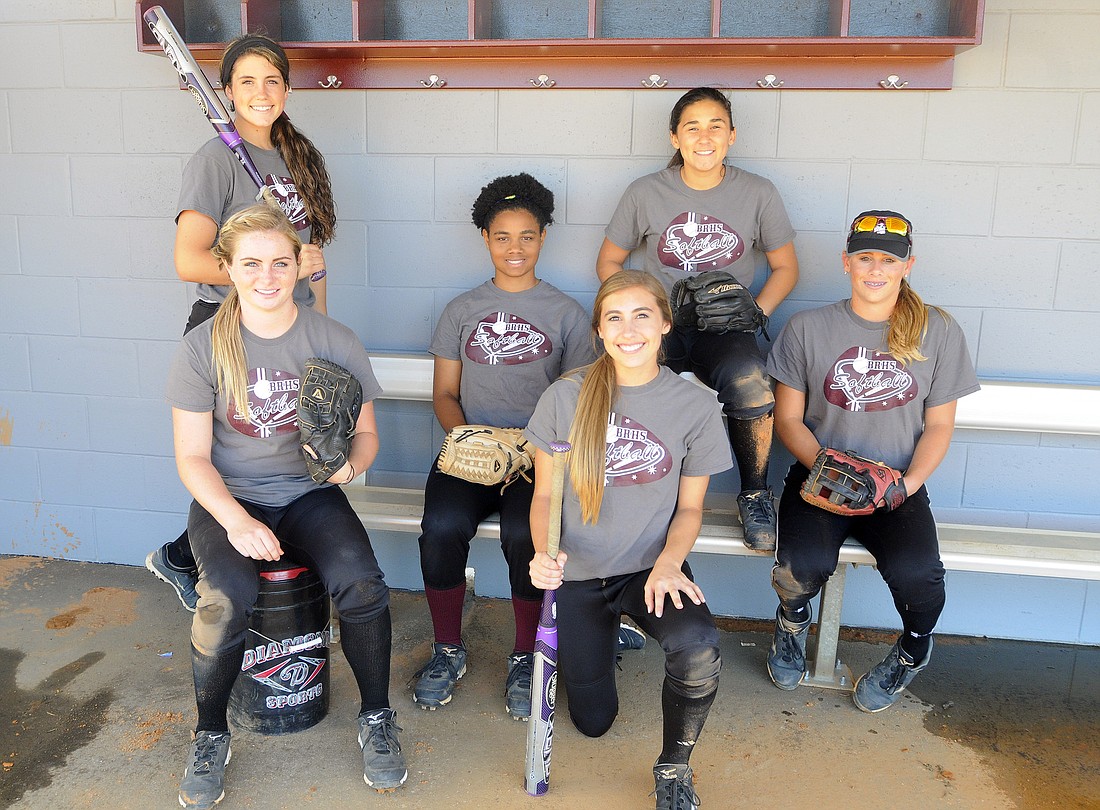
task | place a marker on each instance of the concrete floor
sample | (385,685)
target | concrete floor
(98,706)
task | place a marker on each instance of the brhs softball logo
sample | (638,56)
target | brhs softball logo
(286,194)
(634,454)
(697,242)
(272,404)
(865,380)
(500,338)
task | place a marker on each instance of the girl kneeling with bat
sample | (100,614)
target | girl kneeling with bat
(238,452)
(644,445)
(877,374)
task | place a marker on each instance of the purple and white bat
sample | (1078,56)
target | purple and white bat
(544,675)
(196,83)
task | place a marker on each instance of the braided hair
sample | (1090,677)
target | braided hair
(514,192)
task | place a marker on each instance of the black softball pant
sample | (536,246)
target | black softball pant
(731,364)
(453,508)
(903,542)
(588,625)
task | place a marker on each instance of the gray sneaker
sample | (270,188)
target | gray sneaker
(203,783)
(437,678)
(182,582)
(517,691)
(673,787)
(383,763)
(758,519)
(881,687)
(630,638)
(787,657)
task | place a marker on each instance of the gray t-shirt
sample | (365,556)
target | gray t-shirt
(689,231)
(216,184)
(262,461)
(858,397)
(512,346)
(657,432)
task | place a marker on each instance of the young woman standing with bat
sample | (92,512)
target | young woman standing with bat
(497,347)
(702,220)
(877,374)
(255,73)
(644,445)
(238,451)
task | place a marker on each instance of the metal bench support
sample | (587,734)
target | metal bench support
(826,670)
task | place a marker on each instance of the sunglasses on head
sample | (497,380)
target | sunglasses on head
(871,224)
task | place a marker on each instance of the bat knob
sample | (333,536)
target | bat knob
(561,447)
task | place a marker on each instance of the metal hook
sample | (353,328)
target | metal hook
(654,80)
(770,80)
(433,82)
(892,82)
(330,82)
(542,81)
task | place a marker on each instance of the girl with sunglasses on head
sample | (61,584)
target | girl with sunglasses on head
(238,452)
(702,215)
(497,347)
(255,75)
(644,445)
(878,375)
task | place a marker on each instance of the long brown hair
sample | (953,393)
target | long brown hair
(228,359)
(588,434)
(305,162)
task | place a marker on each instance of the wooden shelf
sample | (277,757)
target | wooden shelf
(351,44)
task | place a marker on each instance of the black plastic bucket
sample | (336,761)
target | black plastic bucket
(284,682)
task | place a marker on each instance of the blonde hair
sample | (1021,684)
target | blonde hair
(228,359)
(588,433)
(908,325)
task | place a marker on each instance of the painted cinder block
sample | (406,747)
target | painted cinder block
(813,193)
(851,124)
(9,245)
(1088,144)
(42,528)
(151,242)
(42,10)
(32,55)
(164,492)
(75,246)
(18,465)
(1055,349)
(117,61)
(423,255)
(130,425)
(984,66)
(154,358)
(987,126)
(127,535)
(398,320)
(596,186)
(405,436)
(568,257)
(15,363)
(72,365)
(459,180)
(1033,38)
(124,186)
(1061,479)
(335,122)
(42,420)
(944,198)
(163,120)
(35,185)
(93,478)
(36,305)
(1046,202)
(418,122)
(129,308)
(34,121)
(365,188)
(565,122)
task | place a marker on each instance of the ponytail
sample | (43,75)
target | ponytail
(909,325)
(307,168)
(227,357)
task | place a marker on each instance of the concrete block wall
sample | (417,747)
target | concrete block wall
(1001,176)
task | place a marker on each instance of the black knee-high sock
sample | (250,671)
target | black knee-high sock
(179,553)
(683,723)
(751,441)
(366,645)
(917,627)
(214,679)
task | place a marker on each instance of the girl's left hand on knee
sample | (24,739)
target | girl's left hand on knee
(666,579)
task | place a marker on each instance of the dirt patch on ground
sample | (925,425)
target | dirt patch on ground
(13,568)
(148,731)
(99,608)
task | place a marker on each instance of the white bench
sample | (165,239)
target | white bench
(986,549)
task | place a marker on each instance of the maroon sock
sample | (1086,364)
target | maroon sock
(527,622)
(446,609)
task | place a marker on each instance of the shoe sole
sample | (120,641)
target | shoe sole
(863,708)
(517,717)
(783,686)
(170,584)
(386,787)
(758,547)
